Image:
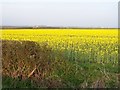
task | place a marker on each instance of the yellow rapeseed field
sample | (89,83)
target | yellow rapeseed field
(85,58)
(87,41)
(56,35)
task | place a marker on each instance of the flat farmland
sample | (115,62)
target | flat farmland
(74,58)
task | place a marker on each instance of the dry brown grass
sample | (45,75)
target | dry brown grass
(26,60)
(29,64)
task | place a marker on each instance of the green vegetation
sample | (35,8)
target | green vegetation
(28,64)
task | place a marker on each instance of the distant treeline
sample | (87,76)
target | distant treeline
(48,27)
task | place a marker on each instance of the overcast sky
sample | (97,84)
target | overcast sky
(81,13)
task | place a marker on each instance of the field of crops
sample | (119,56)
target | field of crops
(78,57)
